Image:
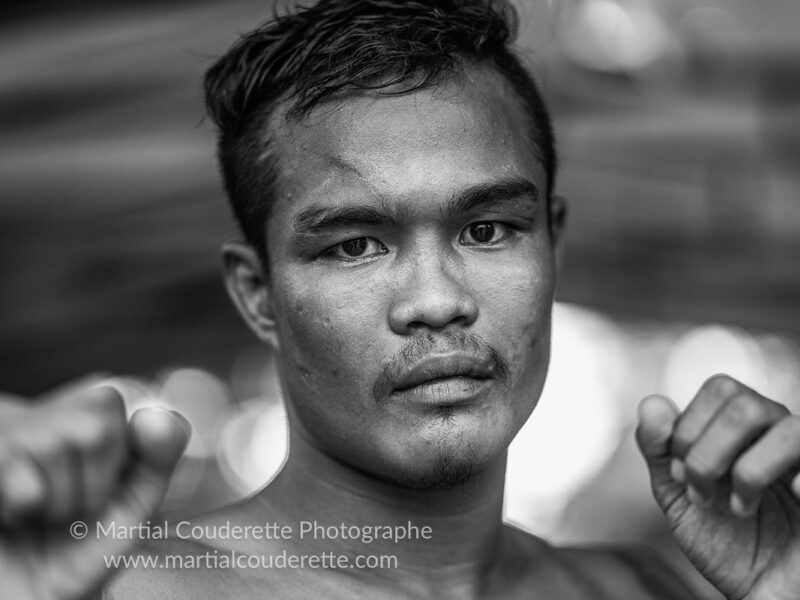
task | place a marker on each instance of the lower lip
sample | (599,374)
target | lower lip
(446,391)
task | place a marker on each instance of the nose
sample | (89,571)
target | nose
(432,295)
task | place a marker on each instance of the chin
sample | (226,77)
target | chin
(442,472)
(448,472)
(449,459)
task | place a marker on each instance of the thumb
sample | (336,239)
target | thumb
(158,438)
(657,419)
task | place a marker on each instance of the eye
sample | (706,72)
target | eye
(363,247)
(483,233)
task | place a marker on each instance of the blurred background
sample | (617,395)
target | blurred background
(679,130)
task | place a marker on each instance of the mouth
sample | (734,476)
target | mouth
(446,379)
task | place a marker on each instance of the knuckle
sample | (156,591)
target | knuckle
(95,436)
(790,426)
(12,454)
(778,409)
(93,432)
(700,467)
(721,384)
(746,408)
(681,442)
(46,444)
(110,399)
(787,430)
(747,475)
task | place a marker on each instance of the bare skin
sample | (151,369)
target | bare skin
(725,474)
(412,267)
(75,456)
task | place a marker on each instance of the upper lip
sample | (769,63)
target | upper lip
(442,366)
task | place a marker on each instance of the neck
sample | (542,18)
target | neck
(454,538)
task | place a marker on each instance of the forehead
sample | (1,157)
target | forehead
(407,147)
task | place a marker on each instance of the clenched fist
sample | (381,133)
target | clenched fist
(725,473)
(76,456)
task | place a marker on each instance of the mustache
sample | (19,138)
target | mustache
(443,343)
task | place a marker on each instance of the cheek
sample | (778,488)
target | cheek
(325,335)
(519,294)
(329,363)
(518,313)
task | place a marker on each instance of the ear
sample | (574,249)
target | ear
(558,222)
(248,287)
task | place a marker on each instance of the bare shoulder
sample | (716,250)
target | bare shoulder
(186,564)
(632,571)
(153,570)
(603,572)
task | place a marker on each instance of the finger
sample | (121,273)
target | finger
(73,389)
(738,422)
(764,463)
(58,462)
(92,426)
(157,440)
(708,400)
(103,444)
(23,487)
(657,418)
(61,443)
(67,455)
(107,453)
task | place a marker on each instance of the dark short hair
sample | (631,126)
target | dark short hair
(309,56)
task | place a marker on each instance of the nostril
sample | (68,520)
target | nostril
(433,298)
(432,323)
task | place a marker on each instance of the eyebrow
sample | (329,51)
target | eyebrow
(487,195)
(318,219)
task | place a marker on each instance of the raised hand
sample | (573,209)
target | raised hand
(725,474)
(76,457)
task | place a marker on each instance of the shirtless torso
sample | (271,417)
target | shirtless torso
(530,569)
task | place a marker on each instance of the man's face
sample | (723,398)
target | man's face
(412,275)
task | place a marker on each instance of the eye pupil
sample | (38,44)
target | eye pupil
(355,247)
(482,232)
